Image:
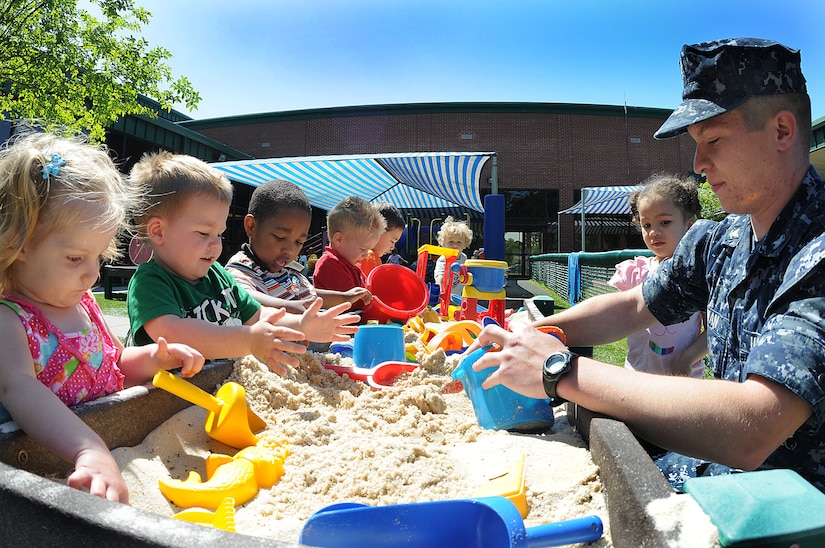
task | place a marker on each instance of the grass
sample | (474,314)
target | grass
(112,307)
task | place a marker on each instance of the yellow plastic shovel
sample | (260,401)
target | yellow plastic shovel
(229,420)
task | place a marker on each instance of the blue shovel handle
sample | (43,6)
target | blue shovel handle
(560,533)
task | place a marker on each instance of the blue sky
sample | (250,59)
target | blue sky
(246,56)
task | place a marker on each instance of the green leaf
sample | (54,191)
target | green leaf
(65,67)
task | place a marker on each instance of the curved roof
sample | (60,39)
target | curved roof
(604,200)
(415,180)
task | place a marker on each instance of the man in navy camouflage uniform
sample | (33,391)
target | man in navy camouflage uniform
(759,273)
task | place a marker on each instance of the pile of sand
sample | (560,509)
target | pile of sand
(350,443)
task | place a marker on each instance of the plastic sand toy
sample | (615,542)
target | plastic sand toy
(229,420)
(237,477)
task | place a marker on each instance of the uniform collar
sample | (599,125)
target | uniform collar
(804,208)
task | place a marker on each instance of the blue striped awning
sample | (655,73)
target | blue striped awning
(604,200)
(416,180)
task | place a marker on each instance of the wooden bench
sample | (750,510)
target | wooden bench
(111,272)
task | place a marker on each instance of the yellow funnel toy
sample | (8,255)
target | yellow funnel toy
(229,420)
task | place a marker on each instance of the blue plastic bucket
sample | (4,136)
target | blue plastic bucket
(488,276)
(499,408)
(374,344)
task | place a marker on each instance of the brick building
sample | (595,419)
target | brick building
(545,152)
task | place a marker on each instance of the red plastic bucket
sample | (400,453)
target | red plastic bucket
(398,294)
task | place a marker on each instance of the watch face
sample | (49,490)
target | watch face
(555,364)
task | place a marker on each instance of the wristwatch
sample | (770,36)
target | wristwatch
(555,367)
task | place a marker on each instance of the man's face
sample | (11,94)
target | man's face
(738,163)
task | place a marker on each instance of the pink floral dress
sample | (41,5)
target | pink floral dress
(78,367)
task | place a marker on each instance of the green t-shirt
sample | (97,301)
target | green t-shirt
(155,292)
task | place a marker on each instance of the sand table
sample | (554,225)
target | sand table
(351,443)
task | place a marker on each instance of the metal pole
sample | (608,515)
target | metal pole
(494,176)
(431,228)
(584,204)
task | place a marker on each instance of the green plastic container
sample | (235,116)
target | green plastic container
(764,508)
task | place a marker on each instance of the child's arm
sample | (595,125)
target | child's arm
(296,307)
(352,296)
(260,336)
(140,363)
(327,326)
(49,422)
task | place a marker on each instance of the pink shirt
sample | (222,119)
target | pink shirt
(657,347)
(78,367)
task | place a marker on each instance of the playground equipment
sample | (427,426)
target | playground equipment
(483,279)
(450,255)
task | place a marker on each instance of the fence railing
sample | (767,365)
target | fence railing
(577,276)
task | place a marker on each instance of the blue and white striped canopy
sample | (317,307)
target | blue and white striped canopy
(604,200)
(416,180)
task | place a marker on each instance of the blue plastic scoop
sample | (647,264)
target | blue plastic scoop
(485,522)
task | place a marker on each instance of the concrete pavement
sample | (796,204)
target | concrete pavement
(119,324)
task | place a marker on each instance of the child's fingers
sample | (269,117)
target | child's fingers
(339,308)
(314,307)
(191,363)
(348,319)
(276,361)
(163,348)
(279,346)
(272,315)
(286,333)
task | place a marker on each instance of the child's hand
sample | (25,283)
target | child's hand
(170,356)
(98,471)
(330,325)
(269,342)
(358,294)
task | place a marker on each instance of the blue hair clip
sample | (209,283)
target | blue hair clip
(53,166)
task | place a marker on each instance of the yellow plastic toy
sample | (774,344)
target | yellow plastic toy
(222,518)
(455,336)
(450,256)
(235,480)
(229,420)
(237,477)
(509,484)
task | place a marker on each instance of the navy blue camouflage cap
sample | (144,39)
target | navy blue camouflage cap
(722,75)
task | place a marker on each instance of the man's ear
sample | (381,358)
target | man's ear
(249,224)
(155,229)
(786,128)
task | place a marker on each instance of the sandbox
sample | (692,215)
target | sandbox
(641,507)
